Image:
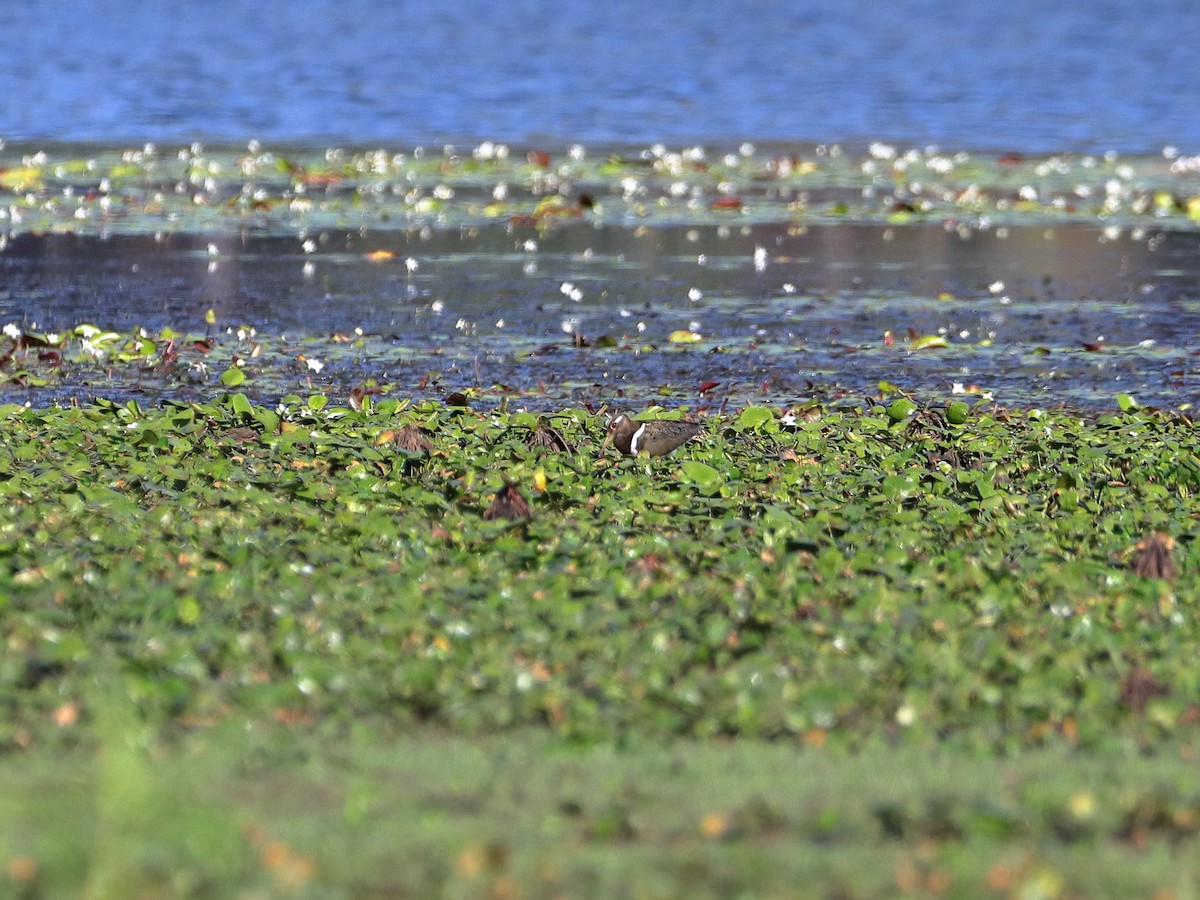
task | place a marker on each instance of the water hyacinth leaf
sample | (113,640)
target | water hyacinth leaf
(700,473)
(956,413)
(900,409)
(233,377)
(189,611)
(753,418)
(268,418)
(242,406)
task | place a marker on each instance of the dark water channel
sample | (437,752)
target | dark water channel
(1031,315)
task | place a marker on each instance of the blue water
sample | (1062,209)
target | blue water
(1022,75)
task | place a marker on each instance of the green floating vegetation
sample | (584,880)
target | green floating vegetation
(294,191)
(311,615)
(859,573)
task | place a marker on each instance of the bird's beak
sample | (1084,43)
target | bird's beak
(607,440)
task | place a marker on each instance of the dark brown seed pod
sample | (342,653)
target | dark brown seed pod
(508,504)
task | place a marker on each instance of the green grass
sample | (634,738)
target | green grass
(270,812)
(265,652)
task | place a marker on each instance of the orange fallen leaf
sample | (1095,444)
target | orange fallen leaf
(715,825)
(816,737)
(66,715)
(22,868)
(726,203)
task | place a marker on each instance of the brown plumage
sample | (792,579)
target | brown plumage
(410,439)
(656,438)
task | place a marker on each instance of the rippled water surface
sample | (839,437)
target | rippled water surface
(1021,75)
(1051,269)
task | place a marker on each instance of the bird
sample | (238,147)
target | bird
(656,438)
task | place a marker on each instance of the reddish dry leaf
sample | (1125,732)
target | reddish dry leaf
(1138,688)
(726,203)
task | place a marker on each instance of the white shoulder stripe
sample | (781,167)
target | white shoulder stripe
(633,442)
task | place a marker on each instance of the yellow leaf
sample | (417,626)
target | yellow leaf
(21,178)
(714,825)
(683,336)
(928,342)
